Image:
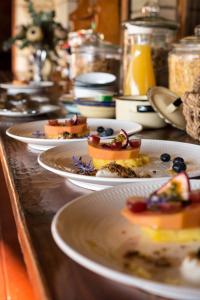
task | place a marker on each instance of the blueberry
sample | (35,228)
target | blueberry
(178,159)
(179,167)
(165,157)
(100,129)
(109,131)
(103,134)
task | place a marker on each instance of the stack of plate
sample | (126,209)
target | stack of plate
(94,94)
(96,109)
(94,84)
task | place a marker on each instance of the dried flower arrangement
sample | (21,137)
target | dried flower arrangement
(43,32)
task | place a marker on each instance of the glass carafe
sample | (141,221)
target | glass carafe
(138,66)
(147,39)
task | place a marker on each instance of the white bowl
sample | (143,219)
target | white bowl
(96,109)
(138,110)
(80,92)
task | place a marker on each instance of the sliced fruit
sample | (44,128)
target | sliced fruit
(123,137)
(136,206)
(75,119)
(135,143)
(94,139)
(188,217)
(107,153)
(177,186)
(194,196)
(116,145)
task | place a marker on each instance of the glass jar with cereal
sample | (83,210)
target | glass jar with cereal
(184,63)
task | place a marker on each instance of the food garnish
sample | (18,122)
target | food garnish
(121,141)
(165,157)
(76,127)
(104,132)
(190,267)
(178,163)
(115,170)
(38,134)
(172,207)
(170,198)
(83,168)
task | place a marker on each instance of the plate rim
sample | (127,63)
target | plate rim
(109,273)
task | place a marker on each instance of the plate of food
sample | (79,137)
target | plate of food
(41,135)
(145,234)
(98,164)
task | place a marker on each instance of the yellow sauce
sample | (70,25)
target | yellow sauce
(140,74)
(172,236)
(127,163)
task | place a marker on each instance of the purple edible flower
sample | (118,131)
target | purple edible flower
(38,133)
(84,168)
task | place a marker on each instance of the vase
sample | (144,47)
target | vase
(39,58)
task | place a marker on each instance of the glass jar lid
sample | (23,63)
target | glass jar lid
(97,47)
(151,18)
(190,42)
(90,41)
(84,36)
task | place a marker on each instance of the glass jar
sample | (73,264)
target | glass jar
(147,42)
(95,55)
(184,63)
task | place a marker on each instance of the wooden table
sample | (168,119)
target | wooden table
(36,195)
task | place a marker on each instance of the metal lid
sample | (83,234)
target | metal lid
(168,105)
(150,18)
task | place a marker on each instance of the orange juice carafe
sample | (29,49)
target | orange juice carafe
(148,38)
(139,75)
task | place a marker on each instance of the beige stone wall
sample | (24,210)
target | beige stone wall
(21,16)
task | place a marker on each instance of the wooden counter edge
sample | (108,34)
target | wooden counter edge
(33,269)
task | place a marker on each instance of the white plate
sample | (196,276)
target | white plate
(32,87)
(23,132)
(59,160)
(96,78)
(91,231)
(44,109)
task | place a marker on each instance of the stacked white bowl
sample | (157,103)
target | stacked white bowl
(94,94)
(94,84)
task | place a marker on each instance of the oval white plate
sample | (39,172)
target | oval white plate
(44,109)
(23,132)
(59,160)
(91,231)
